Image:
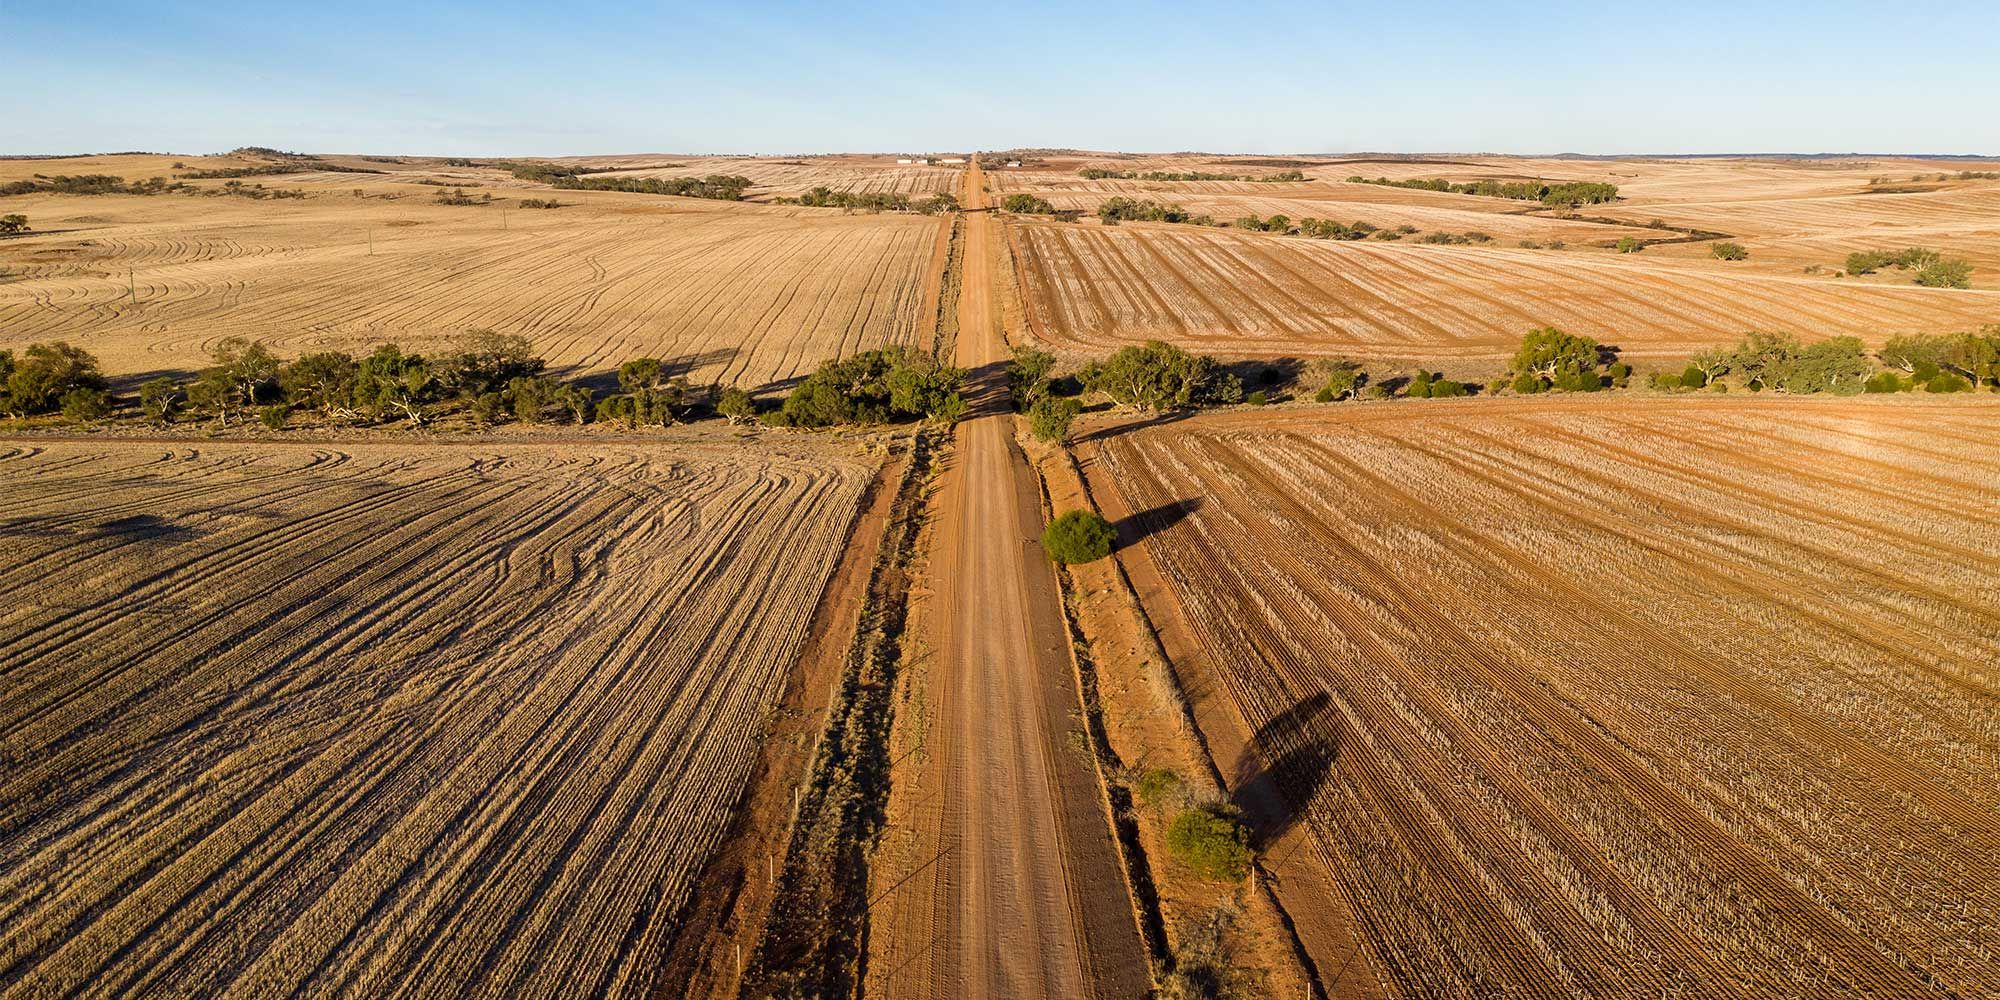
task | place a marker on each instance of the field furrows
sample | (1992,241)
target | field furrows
(1640,699)
(1090,289)
(738,296)
(432,721)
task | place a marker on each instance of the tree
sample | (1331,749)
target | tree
(1761,358)
(736,405)
(1028,376)
(1420,385)
(84,406)
(1153,376)
(161,398)
(1050,417)
(38,380)
(1972,355)
(1837,364)
(322,381)
(1948,273)
(11,224)
(1212,841)
(1728,251)
(1630,244)
(640,374)
(1026,204)
(529,396)
(389,381)
(275,415)
(240,374)
(484,361)
(1078,536)
(1557,360)
(1911,352)
(576,401)
(1344,380)
(1694,377)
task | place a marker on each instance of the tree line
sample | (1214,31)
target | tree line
(873,201)
(1569,194)
(1101,173)
(720,187)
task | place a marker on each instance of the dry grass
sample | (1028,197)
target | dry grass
(1644,698)
(429,719)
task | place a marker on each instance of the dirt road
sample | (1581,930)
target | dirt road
(1010,883)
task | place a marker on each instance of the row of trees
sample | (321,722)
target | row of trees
(1100,173)
(89,184)
(1566,194)
(874,201)
(721,187)
(1117,210)
(1933,269)
(875,387)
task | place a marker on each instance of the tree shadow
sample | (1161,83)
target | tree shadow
(1292,754)
(606,382)
(131,382)
(1134,528)
(142,528)
(1128,426)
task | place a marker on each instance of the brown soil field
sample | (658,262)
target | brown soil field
(736,293)
(1609,698)
(1244,294)
(431,719)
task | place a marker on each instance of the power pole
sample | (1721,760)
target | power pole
(371,241)
(131,288)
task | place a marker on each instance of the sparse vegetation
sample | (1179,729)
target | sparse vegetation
(1565,193)
(1078,536)
(1211,841)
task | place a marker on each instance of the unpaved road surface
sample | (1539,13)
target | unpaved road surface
(1009,885)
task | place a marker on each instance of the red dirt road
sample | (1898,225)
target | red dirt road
(1011,884)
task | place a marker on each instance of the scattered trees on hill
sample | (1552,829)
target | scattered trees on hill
(1328,229)
(1118,210)
(89,184)
(720,187)
(1026,204)
(1078,536)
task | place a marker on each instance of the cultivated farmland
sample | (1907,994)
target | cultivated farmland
(1243,293)
(1646,698)
(779,176)
(736,293)
(428,719)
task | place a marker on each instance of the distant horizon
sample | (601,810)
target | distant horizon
(1065,150)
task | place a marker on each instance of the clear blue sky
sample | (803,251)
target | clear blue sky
(433,76)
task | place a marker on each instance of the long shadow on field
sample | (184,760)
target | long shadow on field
(603,382)
(1134,528)
(1127,427)
(1291,754)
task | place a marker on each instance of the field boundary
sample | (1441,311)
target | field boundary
(814,937)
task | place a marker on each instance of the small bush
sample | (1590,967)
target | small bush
(1951,273)
(1445,388)
(1885,382)
(1258,398)
(1693,378)
(1325,395)
(1630,244)
(736,405)
(1079,536)
(1158,787)
(1947,382)
(1212,841)
(274,416)
(1528,384)
(1728,251)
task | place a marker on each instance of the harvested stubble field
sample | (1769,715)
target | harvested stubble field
(423,719)
(1241,294)
(779,176)
(735,293)
(1648,698)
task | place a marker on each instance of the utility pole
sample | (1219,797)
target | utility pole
(371,241)
(131,288)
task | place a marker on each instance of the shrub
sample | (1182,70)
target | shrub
(44,374)
(1445,388)
(1050,417)
(1026,204)
(1728,251)
(274,416)
(1157,787)
(10,224)
(1212,841)
(1420,385)
(1258,398)
(1528,384)
(1947,382)
(1693,377)
(1885,382)
(1630,244)
(161,398)
(1079,536)
(83,405)
(1325,395)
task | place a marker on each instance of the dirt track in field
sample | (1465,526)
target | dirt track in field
(1005,881)
(438,720)
(1632,698)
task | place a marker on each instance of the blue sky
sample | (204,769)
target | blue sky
(499,77)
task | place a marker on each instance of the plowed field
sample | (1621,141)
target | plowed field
(419,719)
(1641,699)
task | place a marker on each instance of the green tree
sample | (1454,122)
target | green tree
(1976,356)
(241,374)
(1028,376)
(388,381)
(44,373)
(1153,376)
(322,381)
(1630,244)
(484,361)
(1761,359)
(1948,273)
(1728,251)
(85,406)
(736,405)
(11,224)
(275,415)
(1837,364)
(575,401)
(1211,841)
(1078,536)
(1050,417)
(530,397)
(1420,385)
(1557,360)
(161,398)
